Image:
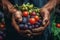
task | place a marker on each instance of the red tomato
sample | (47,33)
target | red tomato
(36,18)
(58,25)
(32,21)
(25,13)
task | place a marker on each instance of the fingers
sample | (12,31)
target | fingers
(26,33)
(14,24)
(46,20)
(18,16)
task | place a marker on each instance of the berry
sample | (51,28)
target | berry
(30,27)
(32,21)
(36,18)
(33,13)
(40,21)
(33,26)
(25,13)
(58,25)
(26,26)
(29,24)
(24,20)
(21,26)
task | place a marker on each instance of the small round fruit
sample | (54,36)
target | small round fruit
(24,20)
(32,21)
(26,26)
(33,13)
(36,18)
(25,13)
(2,25)
(58,25)
(29,24)
(21,26)
(36,26)
(30,27)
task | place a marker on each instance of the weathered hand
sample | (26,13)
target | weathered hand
(46,19)
(18,16)
(15,17)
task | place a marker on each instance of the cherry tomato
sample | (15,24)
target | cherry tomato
(36,18)
(58,25)
(25,13)
(2,26)
(32,21)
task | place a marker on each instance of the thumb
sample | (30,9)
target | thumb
(45,20)
(18,16)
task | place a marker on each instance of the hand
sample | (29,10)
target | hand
(17,16)
(46,19)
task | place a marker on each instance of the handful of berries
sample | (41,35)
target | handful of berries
(30,15)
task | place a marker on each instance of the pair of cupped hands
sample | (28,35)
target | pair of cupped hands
(37,31)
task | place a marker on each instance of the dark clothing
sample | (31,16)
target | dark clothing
(11,32)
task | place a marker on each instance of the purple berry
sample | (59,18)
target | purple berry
(33,13)
(40,21)
(26,26)
(30,27)
(33,26)
(21,26)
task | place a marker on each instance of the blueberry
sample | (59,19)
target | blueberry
(21,26)
(29,24)
(33,26)
(30,27)
(24,20)
(40,21)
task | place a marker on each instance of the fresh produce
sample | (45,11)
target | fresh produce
(30,15)
(36,18)
(25,13)
(2,26)
(32,21)
(58,25)
(33,13)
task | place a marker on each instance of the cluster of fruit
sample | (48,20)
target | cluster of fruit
(31,16)
(2,27)
(2,34)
